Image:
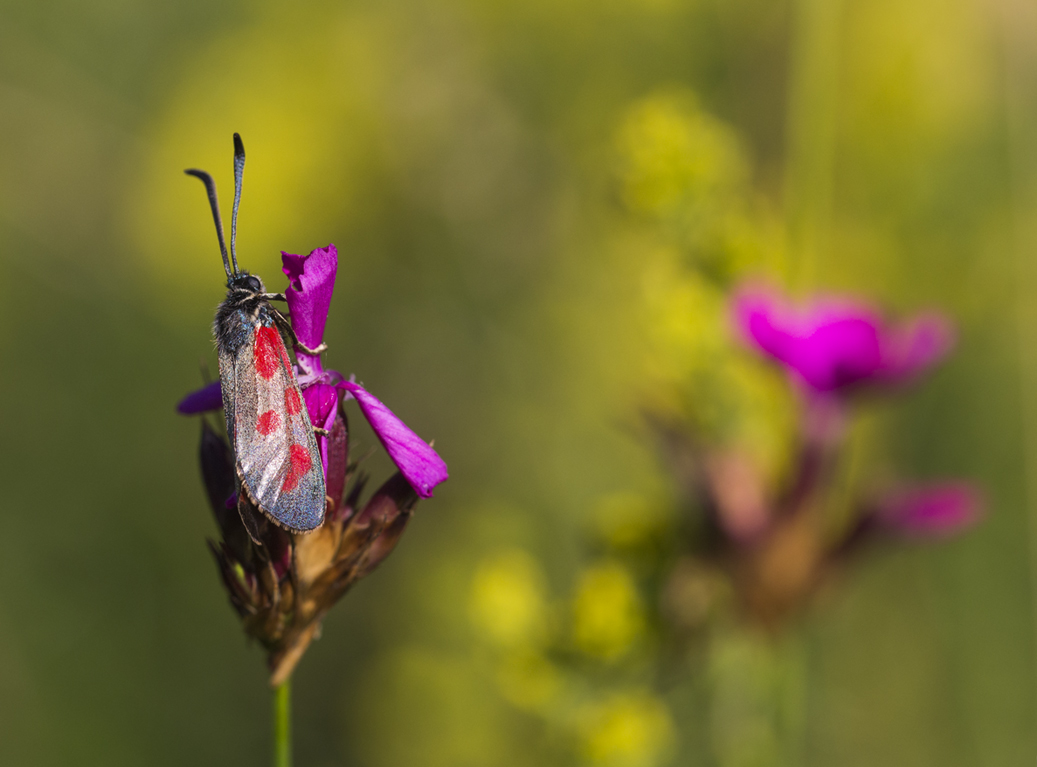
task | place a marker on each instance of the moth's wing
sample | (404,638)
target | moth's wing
(228,385)
(277,456)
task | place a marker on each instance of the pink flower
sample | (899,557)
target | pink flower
(837,344)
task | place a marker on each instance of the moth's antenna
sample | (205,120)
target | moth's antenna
(239,169)
(214,203)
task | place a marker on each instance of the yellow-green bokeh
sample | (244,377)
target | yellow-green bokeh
(541,209)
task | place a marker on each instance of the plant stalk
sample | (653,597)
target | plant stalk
(283,724)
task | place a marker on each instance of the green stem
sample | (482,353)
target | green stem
(758,698)
(283,724)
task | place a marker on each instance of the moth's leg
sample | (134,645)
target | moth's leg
(273,296)
(286,326)
(321,432)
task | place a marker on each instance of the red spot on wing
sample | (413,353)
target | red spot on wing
(268,422)
(269,348)
(299,462)
(292,403)
(284,354)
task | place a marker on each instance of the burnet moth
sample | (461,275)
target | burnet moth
(275,449)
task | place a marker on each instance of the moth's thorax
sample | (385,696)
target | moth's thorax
(244,307)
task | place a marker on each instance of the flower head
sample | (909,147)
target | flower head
(837,345)
(311,281)
(776,541)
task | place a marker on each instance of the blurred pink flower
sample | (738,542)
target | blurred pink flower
(837,344)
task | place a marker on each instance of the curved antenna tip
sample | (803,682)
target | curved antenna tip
(239,169)
(210,188)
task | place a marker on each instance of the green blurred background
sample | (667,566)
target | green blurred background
(512,283)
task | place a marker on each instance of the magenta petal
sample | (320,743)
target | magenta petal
(919,344)
(761,319)
(311,281)
(837,354)
(934,510)
(420,465)
(322,404)
(209,397)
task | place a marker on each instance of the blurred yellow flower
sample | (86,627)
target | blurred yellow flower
(627,730)
(671,152)
(607,613)
(507,601)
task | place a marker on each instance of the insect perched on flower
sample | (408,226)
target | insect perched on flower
(283,582)
(276,456)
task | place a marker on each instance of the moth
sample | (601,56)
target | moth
(275,448)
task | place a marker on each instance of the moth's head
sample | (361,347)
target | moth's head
(245,282)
